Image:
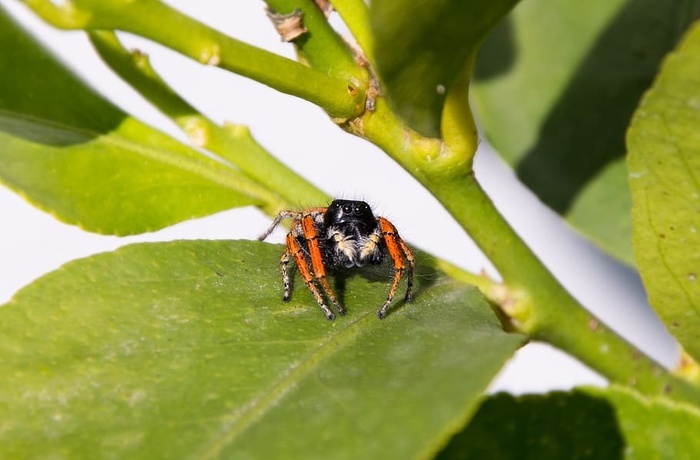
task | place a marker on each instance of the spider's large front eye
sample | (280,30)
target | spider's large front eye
(352,213)
(361,208)
(363,212)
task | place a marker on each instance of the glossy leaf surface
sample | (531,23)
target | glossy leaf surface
(664,164)
(186,350)
(73,154)
(555,88)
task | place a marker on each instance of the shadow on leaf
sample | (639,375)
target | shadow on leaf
(554,426)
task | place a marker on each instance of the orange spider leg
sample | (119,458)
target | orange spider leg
(309,229)
(408,254)
(295,250)
(398,251)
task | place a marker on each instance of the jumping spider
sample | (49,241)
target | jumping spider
(346,234)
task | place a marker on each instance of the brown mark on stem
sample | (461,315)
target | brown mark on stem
(289,26)
(325,6)
(593,324)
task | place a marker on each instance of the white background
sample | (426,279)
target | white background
(33,242)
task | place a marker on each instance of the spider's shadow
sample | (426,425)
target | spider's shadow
(425,275)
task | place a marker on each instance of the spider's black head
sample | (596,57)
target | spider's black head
(350,217)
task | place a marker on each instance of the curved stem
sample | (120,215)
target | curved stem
(341,97)
(232,143)
(530,296)
(457,125)
(355,14)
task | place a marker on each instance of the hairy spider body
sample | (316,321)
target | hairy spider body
(344,235)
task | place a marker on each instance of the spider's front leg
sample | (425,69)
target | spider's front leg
(402,259)
(308,227)
(309,262)
(295,250)
(280,217)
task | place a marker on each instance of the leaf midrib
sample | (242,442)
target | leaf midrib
(213,169)
(258,408)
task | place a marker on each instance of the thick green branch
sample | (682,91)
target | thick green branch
(540,307)
(341,97)
(531,297)
(457,125)
(425,158)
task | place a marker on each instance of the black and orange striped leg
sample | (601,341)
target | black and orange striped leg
(331,295)
(392,292)
(408,254)
(295,251)
(403,261)
(319,270)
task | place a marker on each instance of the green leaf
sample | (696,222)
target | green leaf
(422,48)
(72,153)
(555,87)
(587,423)
(664,164)
(602,211)
(185,350)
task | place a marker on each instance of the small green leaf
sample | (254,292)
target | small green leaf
(587,423)
(185,350)
(555,87)
(664,164)
(74,154)
(421,48)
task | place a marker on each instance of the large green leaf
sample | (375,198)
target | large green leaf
(588,423)
(185,350)
(422,47)
(664,164)
(74,154)
(555,88)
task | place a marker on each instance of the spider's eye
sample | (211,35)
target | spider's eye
(361,208)
(345,211)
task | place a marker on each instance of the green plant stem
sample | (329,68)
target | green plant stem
(340,97)
(232,143)
(530,296)
(355,14)
(539,306)
(320,46)
(457,125)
